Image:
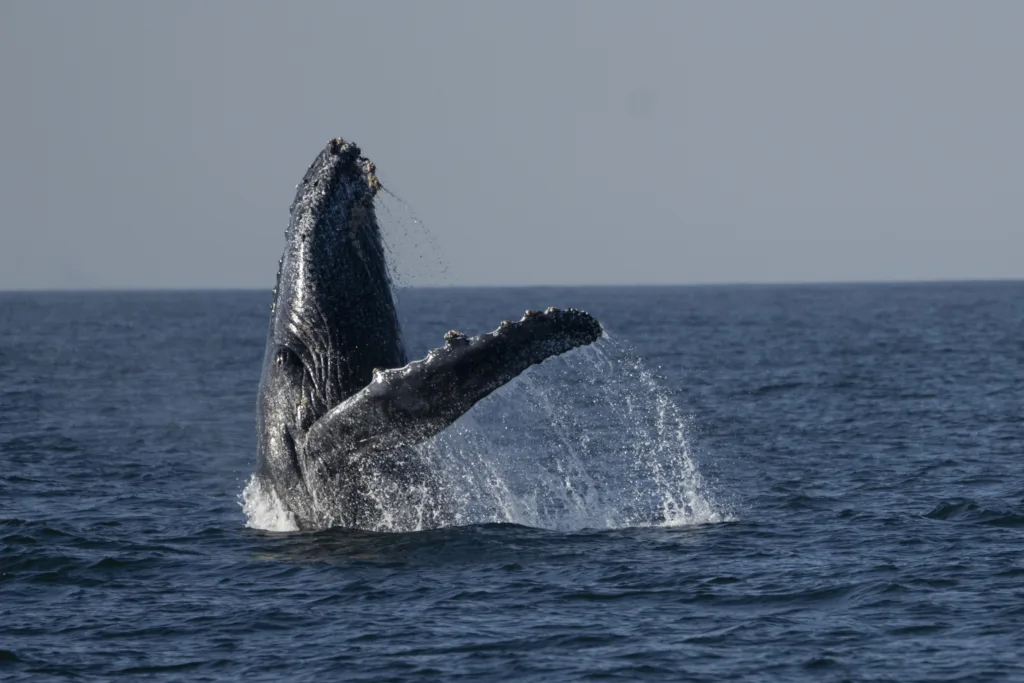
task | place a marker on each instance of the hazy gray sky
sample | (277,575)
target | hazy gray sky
(148,144)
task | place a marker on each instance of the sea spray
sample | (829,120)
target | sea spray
(586,440)
(414,254)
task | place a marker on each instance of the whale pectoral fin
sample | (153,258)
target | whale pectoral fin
(407,405)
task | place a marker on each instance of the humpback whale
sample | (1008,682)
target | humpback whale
(340,409)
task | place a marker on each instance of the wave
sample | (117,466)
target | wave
(966,511)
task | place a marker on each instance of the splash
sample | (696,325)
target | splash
(586,440)
(264,510)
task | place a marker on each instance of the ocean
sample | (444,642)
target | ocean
(740,483)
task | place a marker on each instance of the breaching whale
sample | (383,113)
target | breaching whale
(339,408)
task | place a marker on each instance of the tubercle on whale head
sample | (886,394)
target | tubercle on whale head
(338,160)
(350,153)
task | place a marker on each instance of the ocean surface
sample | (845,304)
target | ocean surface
(776,483)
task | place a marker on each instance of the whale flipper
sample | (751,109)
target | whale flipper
(407,405)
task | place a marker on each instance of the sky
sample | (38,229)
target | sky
(158,145)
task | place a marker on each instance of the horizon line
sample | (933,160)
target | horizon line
(634,285)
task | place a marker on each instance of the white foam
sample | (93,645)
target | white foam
(263,509)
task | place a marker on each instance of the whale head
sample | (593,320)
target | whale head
(333,318)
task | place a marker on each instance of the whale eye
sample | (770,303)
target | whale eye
(286,358)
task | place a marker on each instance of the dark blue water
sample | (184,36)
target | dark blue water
(840,466)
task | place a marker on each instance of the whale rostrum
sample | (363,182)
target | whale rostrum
(340,408)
